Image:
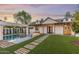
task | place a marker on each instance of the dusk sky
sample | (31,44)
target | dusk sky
(40,10)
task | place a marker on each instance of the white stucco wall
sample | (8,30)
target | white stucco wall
(69,20)
(58,29)
(45,29)
(41,29)
(27,31)
(49,21)
(53,29)
(1,32)
(32,30)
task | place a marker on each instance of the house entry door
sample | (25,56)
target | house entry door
(49,29)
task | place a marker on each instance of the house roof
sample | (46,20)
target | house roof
(50,19)
(43,20)
(3,23)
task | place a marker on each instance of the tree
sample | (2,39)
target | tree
(76,16)
(75,24)
(23,17)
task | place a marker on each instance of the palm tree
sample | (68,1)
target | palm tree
(23,17)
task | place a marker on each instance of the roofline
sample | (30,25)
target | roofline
(57,20)
(50,19)
(50,23)
(3,23)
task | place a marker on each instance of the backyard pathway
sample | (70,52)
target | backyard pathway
(28,47)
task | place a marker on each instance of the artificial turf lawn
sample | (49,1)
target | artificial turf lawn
(56,44)
(10,50)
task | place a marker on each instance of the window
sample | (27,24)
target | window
(7,31)
(62,20)
(36,28)
(67,19)
(68,27)
(13,31)
(5,18)
(65,26)
(4,32)
(30,27)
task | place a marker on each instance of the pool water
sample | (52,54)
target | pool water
(10,37)
(19,40)
(16,38)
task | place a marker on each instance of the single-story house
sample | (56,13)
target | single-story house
(52,26)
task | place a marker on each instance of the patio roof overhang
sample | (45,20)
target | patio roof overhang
(3,23)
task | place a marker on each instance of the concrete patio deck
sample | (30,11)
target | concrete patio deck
(5,44)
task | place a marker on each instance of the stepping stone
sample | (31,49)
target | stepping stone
(41,39)
(22,51)
(29,46)
(34,43)
(38,41)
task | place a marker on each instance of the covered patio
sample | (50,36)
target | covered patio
(13,31)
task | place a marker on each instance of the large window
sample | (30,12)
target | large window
(5,18)
(36,28)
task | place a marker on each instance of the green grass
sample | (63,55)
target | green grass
(56,44)
(10,50)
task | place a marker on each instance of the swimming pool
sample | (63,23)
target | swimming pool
(10,37)
(19,40)
(16,39)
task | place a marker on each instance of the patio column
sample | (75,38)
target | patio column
(25,33)
(1,32)
(11,30)
(53,28)
(27,30)
(43,29)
